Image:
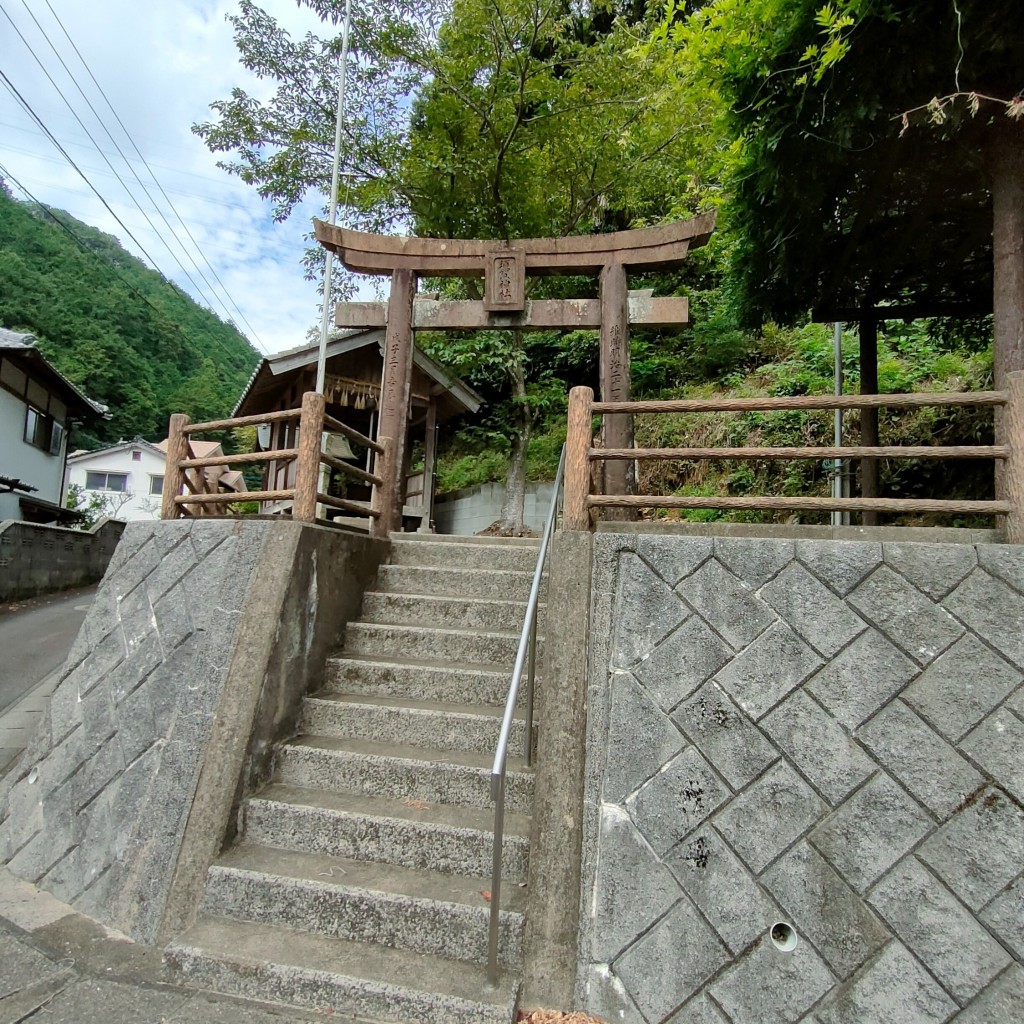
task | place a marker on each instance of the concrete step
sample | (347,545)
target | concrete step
(420,680)
(390,770)
(410,723)
(358,979)
(450,538)
(450,555)
(459,612)
(500,584)
(406,832)
(422,911)
(429,643)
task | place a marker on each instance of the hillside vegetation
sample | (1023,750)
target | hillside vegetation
(124,334)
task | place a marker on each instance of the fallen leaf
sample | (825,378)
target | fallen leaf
(556,1017)
(416,805)
(486,893)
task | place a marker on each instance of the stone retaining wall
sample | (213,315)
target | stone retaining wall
(191,662)
(473,509)
(823,736)
(37,559)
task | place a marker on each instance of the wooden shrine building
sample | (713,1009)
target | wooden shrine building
(352,395)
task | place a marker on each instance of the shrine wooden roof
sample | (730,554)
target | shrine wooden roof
(453,395)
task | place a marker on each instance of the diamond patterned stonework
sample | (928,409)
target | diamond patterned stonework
(824,735)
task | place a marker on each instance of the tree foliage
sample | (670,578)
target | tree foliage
(832,201)
(128,338)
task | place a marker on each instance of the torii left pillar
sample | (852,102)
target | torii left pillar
(396,386)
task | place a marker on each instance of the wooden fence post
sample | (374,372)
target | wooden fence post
(1013,473)
(307,465)
(174,477)
(383,497)
(576,515)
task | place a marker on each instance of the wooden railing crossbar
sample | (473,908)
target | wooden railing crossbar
(243,421)
(795,402)
(976,451)
(337,427)
(281,455)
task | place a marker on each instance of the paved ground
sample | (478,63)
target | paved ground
(57,967)
(35,637)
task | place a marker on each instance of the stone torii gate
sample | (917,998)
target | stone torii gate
(504,267)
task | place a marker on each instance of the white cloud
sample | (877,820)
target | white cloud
(161,64)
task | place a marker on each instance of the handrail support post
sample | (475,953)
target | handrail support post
(493,972)
(531,673)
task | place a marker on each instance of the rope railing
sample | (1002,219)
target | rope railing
(185,491)
(582,504)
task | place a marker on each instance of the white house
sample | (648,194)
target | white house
(129,475)
(38,409)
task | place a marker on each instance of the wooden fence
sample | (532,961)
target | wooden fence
(185,491)
(581,504)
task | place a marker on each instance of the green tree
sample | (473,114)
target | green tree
(503,118)
(835,202)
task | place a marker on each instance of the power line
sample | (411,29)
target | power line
(67,156)
(128,136)
(106,160)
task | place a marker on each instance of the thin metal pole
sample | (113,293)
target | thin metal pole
(321,366)
(499,833)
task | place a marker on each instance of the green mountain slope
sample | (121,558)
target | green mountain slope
(127,337)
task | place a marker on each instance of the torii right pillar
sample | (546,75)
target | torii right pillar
(619,475)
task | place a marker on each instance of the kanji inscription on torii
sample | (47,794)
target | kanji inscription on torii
(504,267)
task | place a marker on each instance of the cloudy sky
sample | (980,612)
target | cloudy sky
(161,63)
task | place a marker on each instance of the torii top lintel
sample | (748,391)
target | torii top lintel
(654,248)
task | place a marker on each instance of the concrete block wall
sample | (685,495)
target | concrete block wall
(37,559)
(804,794)
(473,509)
(191,662)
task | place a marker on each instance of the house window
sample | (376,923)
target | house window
(106,482)
(136,456)
(56,438)
(156,485)
(38,427)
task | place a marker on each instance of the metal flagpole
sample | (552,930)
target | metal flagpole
(321,366)
(332,214)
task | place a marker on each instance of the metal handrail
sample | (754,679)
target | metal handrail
(526,656)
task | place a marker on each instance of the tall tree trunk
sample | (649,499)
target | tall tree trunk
(1004,158)
(513,507)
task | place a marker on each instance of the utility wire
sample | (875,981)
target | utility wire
(120,152)
(106,160)
(67,156)
(145,162)
(60,222)
(8,176)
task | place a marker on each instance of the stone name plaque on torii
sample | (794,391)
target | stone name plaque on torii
(504,266)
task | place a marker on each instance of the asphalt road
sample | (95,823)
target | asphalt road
(35,637)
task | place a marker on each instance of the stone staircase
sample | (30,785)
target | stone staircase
(359,882)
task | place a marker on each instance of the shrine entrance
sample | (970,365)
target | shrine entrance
(504,266)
